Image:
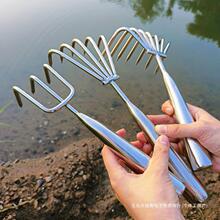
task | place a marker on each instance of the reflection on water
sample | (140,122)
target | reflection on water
(30,28)
(206,14)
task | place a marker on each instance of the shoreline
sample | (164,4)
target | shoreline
(72,184)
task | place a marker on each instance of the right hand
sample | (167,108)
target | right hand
(206,129)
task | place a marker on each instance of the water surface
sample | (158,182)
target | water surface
(30,28)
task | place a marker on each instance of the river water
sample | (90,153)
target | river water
(30,28)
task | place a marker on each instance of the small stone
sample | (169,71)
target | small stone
(40,141)
(80,194)
(40,182)
(84,177)
(48,179)
(46,123)
(16,161)
(64,132)
(65,155)
(60,171)
(1,207)
(17,181)
(81,173)
(35,204)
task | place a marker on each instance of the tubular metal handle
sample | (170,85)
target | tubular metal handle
(133,157)
(198,156)
(177,165)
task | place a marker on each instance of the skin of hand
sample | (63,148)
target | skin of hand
(206,129)
(139,191)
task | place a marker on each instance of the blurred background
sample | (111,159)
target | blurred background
(30,28)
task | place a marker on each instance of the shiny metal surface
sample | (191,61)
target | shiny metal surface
(133,157)
(197,155)
(104,70)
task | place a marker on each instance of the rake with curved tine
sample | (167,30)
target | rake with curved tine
(133,157)
(106,73)
(198,156)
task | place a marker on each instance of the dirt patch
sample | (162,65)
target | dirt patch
(73,184)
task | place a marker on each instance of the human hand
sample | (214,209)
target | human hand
(145,195)
(206,129)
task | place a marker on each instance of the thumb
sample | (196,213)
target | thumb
(159,160)
(178,130)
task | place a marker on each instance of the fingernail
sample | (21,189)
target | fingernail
(161,129)
(169,110)
(163,140)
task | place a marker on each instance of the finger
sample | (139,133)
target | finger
(147,149)
(161,119)
(142,137)
(167,108)
(160,157)
(113,166)
(121,132)
(178,130)
(137,144)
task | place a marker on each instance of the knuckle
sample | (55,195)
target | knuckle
(175,130)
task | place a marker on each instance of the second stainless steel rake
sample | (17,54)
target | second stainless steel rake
(198,156)
(133,157)
(106,73)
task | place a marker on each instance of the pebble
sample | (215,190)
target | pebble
(48,179)
(46,123)
(60,171)
(16,161)
(80,194)
(40,182)
(64,132)
(35,204)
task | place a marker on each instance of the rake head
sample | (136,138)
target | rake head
(33,80)
(150,44)
(97,66)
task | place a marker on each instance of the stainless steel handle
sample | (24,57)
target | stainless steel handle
(177,165)
(198,156)
(134,158)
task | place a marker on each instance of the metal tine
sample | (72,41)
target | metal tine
(88,52)
(103,40)
(140,56)
(164,51)
(101,71)
(135,31)
(33,79)
(136,44)
(117,44)
(125,31)
(71,60)
(124,47)
(102,59)
(151,55)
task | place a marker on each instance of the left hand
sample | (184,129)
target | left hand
(137,192)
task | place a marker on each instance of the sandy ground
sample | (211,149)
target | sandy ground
(73,184)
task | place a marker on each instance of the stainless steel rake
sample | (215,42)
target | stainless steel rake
(133,157)
(106,73)
(198,156)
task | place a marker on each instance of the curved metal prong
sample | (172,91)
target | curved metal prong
(140,56)
(148,61)
(124,47)
(132,51)
(101,57)
(71,60)
(161,45)
(18,92)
